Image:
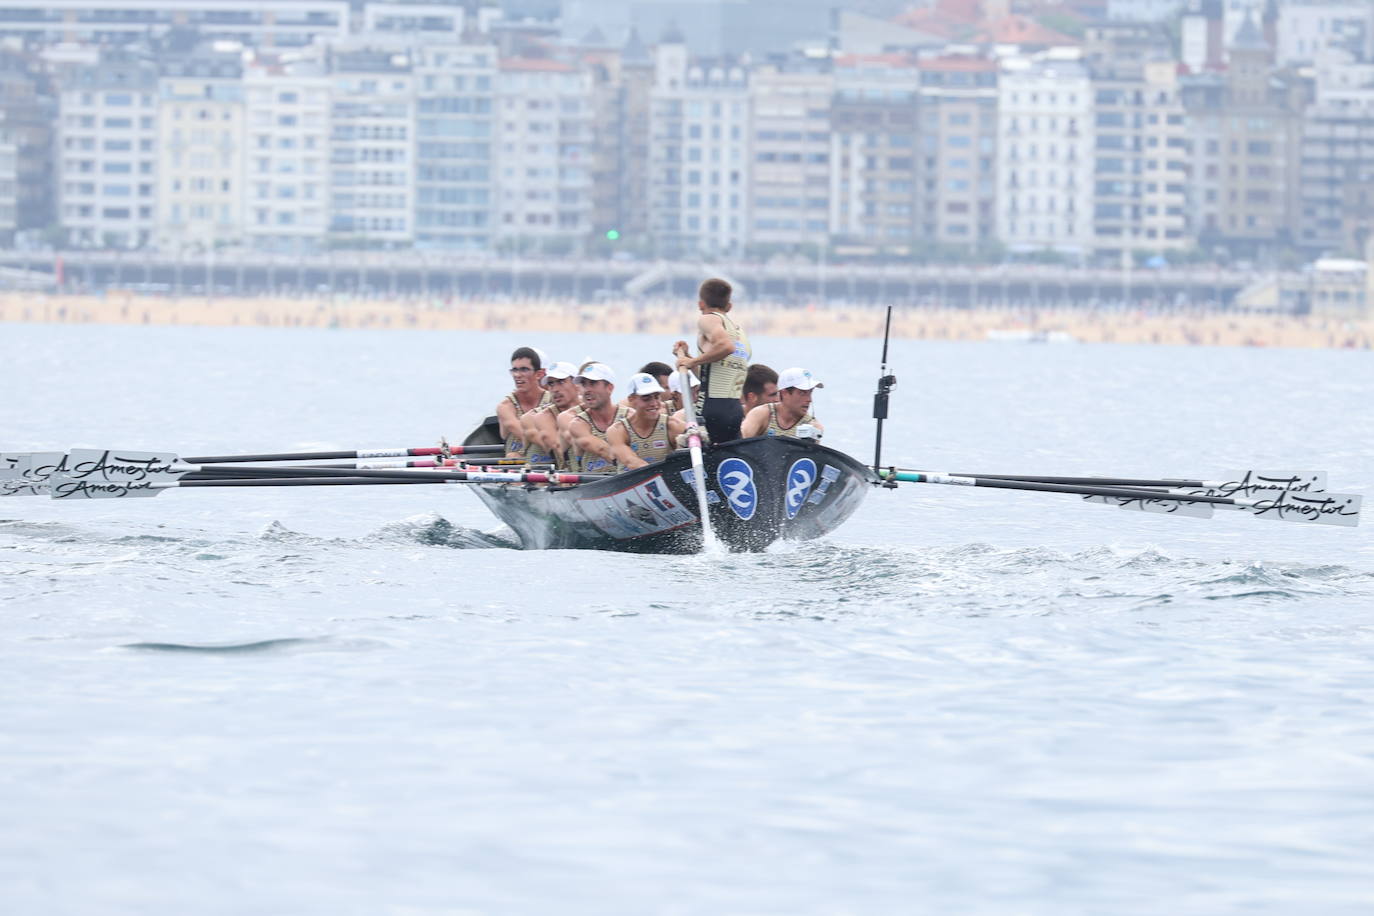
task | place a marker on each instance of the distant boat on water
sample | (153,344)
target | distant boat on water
(1028,335)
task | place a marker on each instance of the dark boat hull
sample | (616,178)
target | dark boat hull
(759,491)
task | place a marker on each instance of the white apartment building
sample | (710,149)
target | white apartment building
(699,153)
(545,151)
(1045,154)
(1143,10)
(200,152)
(372,147)
(262,23)
(108,153)
(454,146)
(1309,31)
(286,183)
(790,164)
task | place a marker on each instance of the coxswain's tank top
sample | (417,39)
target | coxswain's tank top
(725,379)
(775,429)
(587,464)
(653,447)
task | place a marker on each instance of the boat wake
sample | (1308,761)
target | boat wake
(980,580)
(285,646)
(433,530)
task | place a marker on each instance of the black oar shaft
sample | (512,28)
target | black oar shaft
(361,453)
(299,482)
(1088,481)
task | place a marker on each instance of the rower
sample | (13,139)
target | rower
(543,437)
(526,369)
(760,387)
(588,425)
(675,392)
(661,373)
(647,434)
(723,357)
(791,415)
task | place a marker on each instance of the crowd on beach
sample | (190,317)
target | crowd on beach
(1144,324)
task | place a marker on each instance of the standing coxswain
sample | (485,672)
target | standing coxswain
(722,363)
(648,433)
(589,424)
(526,369)
(792,413)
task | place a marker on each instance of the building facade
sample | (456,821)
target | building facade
(200,165)
(1045,155)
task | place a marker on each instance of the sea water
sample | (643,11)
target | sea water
(365,700)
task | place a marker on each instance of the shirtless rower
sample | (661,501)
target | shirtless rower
(526,368)
(791,414)
(541,426)
(760,387)
(722,361)
(647,434)
(588,425)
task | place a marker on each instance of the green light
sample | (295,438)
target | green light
(612,234)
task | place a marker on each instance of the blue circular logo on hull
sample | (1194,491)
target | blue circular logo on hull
(735,478)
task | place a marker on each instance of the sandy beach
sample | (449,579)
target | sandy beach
(676,319)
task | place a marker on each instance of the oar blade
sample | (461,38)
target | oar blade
(1159,506)
(1340,509)
(62,486)
(1241,483)
(123,465)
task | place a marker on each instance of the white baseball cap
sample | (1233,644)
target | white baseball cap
(557,372)
(675,381)
(598,372)
(543,357)
(797,377)
(644,383)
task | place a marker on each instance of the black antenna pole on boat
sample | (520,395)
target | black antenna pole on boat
(885,385)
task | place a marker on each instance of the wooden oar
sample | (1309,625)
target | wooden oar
(708,537)
(360,454)
(1318,508)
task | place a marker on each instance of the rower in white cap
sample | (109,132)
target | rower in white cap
(675,393)
(545,426)
(526,369)
(791,415)
(647,434)
(589,423)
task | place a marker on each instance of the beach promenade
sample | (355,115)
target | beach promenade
(672,318)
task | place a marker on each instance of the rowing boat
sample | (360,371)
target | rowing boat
(759,491)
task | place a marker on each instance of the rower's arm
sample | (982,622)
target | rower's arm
(619,441)
(755,422)
(510,424)
(676,427)
(535,438)
(582,439)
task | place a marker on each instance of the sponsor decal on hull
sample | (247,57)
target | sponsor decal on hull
(735,478)
(646,508)
(800,477)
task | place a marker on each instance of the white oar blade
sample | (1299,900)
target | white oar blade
(12,464)
(61,486)
(1315,508)
(1242,483)
(16,486)
(1160,506)
(40,465)
(123,466)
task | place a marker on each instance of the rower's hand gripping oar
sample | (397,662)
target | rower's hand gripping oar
(1318,508)
(708,538)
